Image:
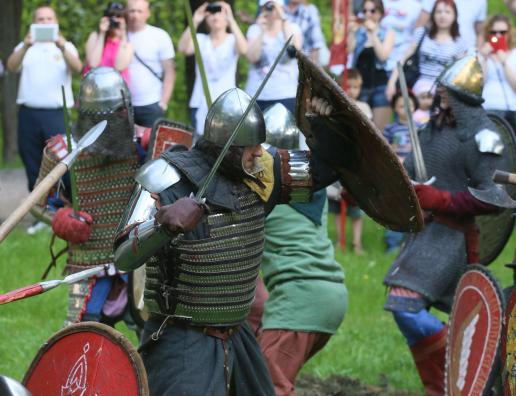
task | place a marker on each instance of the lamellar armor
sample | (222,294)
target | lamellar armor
(208,276)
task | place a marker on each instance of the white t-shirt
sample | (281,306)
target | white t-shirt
(153,45)
(283,81)
(498,94)
(470,12)
(400,16)
(220,64)
(43,72)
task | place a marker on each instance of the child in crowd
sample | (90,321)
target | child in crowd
(336,192)
(425,99)
(353,91)
(398,136)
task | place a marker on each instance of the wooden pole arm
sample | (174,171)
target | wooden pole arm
(32,199)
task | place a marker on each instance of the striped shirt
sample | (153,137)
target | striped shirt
(435,56)
(397,134)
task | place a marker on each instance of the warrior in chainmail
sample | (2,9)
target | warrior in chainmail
(461,149)
(105,180)
(200,286)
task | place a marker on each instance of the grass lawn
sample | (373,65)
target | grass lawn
(367,346)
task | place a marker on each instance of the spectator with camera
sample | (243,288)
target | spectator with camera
(499,63)
(219,50)
(109,46)
(46,62)
(152,68)
(371,44)
(435,48)
(266,39)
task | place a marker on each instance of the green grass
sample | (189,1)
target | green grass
(367,346)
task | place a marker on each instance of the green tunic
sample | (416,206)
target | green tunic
(305,283)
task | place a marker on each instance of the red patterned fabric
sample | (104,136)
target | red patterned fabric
(72,227)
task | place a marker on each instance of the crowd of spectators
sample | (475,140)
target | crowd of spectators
(380,34)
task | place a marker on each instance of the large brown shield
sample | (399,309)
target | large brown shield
(474,334)
(87,358)
(353,146)
(496,229)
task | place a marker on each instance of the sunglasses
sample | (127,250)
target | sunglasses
(498,32)
(369,10)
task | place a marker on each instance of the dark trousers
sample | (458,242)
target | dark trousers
(147,115)
(187,362)
(289,103)
(35,127)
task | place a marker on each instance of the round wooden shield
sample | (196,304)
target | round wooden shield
(87,358)
(508,352)
(474,333)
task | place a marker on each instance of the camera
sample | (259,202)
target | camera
(213,8)
(113,23)
(113,11)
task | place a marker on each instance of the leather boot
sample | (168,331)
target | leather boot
(429,355)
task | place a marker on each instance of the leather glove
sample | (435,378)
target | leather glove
(431,198)
(72,227)
(181,216)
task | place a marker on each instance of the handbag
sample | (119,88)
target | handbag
(411,66)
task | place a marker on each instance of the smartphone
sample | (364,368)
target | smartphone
(41,32)
(213,8)
(498,43)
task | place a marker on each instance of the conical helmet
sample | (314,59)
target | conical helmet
(281,128)
(103,90)
(465,78)
(224,115)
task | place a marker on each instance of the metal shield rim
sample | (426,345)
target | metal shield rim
(103,330)
(498,292)
(414,220)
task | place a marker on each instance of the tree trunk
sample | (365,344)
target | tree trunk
(10,20)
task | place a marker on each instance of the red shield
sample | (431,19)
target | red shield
(509,347)
(166,134)
(87,359)
(474,335)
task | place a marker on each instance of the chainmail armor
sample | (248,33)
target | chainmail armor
(432,260)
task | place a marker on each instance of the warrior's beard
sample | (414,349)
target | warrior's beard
(231,166)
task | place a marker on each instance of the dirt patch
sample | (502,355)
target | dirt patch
(13,189)
(337,385)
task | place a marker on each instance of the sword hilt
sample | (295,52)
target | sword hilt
(21,293)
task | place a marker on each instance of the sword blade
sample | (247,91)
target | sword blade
(89,138)
(419,162)
(78,276)
(200,193)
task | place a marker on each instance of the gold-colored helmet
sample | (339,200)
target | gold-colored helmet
(465,78)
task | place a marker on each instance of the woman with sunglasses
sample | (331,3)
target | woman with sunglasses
(440,46)
(220,49)
(371,45)
(499,63)
(109,46)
